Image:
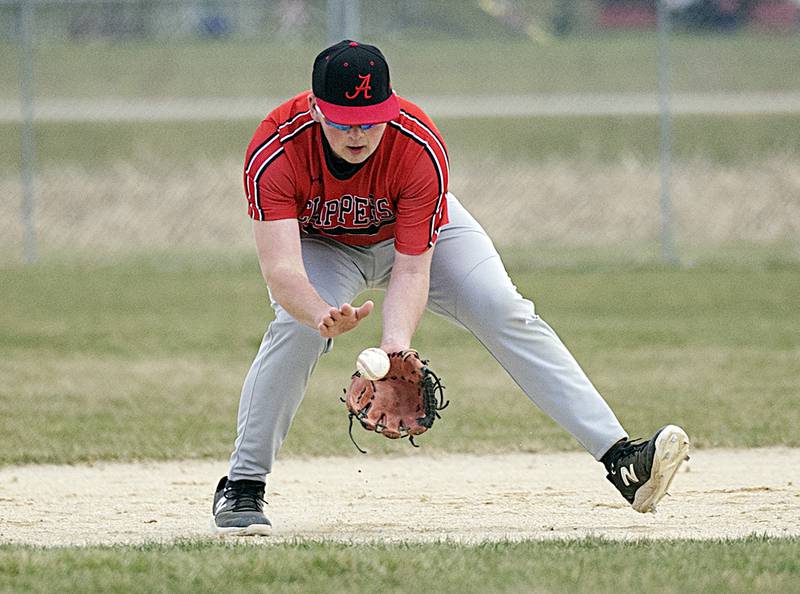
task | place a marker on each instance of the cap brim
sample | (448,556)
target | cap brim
(356,115)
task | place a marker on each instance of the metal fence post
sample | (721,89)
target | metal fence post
(27,138)
(333,20)
(352,19)
(668,252)
(344,20)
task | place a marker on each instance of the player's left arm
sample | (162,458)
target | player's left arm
(420,211)
(406,298)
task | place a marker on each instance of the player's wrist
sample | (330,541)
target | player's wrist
(394,346)
(319,314)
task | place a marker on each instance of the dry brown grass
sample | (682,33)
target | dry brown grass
(592,203)
(131,208)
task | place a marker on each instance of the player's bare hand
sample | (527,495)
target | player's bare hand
(343,319)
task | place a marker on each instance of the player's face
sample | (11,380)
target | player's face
(355,144)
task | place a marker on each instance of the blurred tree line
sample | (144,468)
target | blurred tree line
(305,20)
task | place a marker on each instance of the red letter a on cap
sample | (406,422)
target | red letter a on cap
(362,87)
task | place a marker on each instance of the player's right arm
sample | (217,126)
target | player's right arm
(280,257)
(271,189)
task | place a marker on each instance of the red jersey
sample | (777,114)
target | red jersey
(399,192)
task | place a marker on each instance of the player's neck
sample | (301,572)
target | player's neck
(339,168)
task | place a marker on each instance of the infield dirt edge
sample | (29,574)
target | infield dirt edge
(421,497)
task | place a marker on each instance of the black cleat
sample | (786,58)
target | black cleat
(239,508)
(643,470)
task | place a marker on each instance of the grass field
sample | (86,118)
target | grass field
(744,164)
(722,139)
(751,565)
(611,63)
(580,189)
(91,352)
(143,360)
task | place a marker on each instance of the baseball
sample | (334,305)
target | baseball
(373,363)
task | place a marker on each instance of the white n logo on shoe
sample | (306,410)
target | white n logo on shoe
(626,473)
(220,505)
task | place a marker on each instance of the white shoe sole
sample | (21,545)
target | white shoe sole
(251,530)
(672,448)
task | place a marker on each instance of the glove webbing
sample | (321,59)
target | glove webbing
(432,400)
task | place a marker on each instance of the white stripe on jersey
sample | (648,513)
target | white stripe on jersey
(436,214)
(296,132)
(267,161)
(272,138)
(427,148)
(432,133)
(290,122)
(269,141)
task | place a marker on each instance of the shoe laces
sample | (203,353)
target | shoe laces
(627,449)
(246,495)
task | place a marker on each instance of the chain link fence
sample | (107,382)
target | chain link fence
(141,111)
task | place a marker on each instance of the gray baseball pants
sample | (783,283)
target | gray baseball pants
(469,286)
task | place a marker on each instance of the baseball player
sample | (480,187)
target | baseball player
(347,185)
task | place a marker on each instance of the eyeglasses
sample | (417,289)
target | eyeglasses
(342,127)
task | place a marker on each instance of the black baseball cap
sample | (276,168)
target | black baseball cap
(351,83)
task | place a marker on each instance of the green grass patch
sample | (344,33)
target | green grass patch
(724,139)
(144,359)
(589,565)
(598,63)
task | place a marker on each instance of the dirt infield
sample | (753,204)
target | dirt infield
(418,497)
